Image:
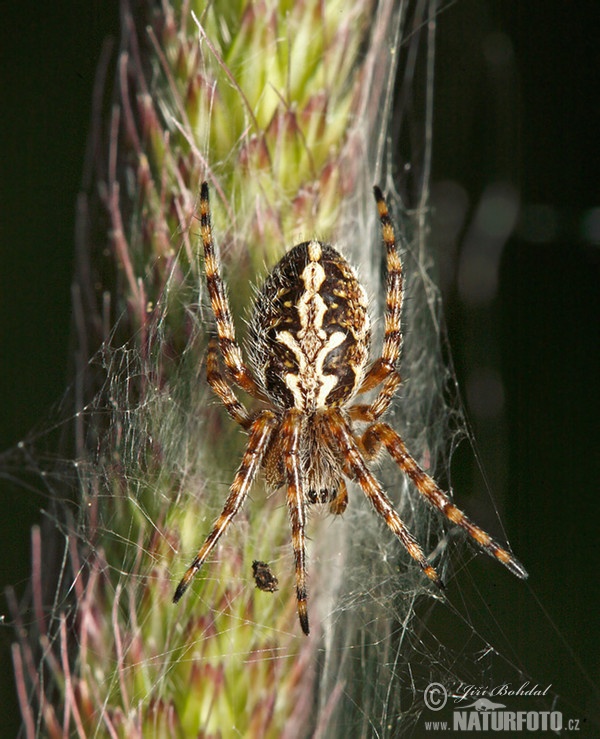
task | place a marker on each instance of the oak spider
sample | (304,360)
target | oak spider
(309,339)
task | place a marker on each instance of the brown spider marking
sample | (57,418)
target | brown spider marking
(308,343)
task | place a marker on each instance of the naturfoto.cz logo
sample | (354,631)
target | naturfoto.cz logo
(487,714)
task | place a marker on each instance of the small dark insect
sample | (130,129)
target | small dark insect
(264,577)
(309,342)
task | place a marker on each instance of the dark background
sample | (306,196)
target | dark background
(517,95)
(536,125)
(49,54)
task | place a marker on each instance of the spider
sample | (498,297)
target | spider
(308,343)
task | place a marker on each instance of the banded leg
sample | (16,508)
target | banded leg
(220,386)
(261,433)
(342,438)
(230,349)
(392,342)
(372,411)
(382,434)
(290,431)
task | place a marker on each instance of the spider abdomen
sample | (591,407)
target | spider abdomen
(309,333)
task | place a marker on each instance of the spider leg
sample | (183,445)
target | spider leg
(261,433)
(290,432)
(392,342)
(382,434)
(230,349)
(371,412)
(220,386)
(341,437)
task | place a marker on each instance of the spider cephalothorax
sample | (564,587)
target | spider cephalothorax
(308,341)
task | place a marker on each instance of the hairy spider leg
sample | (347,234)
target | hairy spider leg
(341,437)
(372,411)
(261,433)
(220,386)
(383,434)
(385,365)
(296,502)
(230,349)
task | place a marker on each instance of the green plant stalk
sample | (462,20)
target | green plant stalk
(276,104)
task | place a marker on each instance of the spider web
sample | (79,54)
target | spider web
(113,533)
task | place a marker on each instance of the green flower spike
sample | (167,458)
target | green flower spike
(280,106)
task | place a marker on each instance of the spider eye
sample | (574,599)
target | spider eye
(320,496)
